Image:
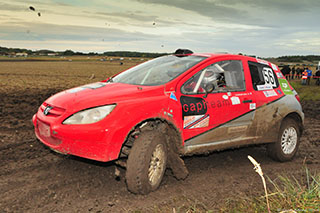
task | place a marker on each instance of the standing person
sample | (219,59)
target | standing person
(293,72)
(286,71)
(299,71)
(317,75)
(304,77)
(309,74)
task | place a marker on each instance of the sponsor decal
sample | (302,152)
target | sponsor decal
(285,87)
(243,94)
(237,129)
(279,91)
(47,110)
(218,104)
(196,121)
(264,87)
(235,100)
(270,93)
(173,96)
(252,106)
(229,93)
(262,61)
(193,106)
(89,86)
(279,74)
(274,67)
(225,97)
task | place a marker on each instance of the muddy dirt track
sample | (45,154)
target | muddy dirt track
(35,179)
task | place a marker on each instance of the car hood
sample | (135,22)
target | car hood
(101,93)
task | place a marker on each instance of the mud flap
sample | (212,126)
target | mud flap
(176,164)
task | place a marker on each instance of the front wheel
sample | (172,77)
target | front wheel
(285,148)
(146,163)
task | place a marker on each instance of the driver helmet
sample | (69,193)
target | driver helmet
(211,77)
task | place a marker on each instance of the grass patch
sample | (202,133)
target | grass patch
(289,193)
(306,92)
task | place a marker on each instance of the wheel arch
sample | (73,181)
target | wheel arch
(296,117)
(174,136)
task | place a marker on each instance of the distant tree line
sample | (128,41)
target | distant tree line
(5,50)
(8,51)
(133,54)
(299,58)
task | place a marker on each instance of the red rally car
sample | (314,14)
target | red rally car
(148,116)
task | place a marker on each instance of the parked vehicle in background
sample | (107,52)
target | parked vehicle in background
(148,116)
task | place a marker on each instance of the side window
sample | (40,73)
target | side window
(223,76)
(263,77)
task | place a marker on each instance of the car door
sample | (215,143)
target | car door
(267,92)
(222,115)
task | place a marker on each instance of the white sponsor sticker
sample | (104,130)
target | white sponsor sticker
(225,97)
(270,93)
(202,123)
(252,106)
(235,100)
(190,119)
(196,121)
(274,67)
(229,93)
(264,87)
(262,61)
(284,85)
(279,74)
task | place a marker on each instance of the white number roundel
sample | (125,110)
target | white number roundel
(269,78)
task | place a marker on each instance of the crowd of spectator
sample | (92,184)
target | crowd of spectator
(303,73)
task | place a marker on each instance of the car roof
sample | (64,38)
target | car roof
(216,55)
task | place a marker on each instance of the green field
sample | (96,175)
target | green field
(306,92)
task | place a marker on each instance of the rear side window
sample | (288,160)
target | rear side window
(263,77)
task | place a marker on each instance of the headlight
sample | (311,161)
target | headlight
(89,116)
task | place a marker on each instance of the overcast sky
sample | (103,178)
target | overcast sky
(259,27)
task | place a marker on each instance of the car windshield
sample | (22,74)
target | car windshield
(158,71)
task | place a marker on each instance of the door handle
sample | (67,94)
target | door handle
(247,101)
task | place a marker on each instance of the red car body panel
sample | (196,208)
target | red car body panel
(102,141)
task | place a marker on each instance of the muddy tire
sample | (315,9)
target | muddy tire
(146,163)
(288,142)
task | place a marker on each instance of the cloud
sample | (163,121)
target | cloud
(12,7)
(39,31)
(270,13)
(258,27)
(131,15)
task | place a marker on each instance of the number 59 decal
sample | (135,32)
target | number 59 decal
(268,76)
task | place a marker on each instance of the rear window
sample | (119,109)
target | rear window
(263,77)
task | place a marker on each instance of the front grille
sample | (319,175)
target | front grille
(55,111)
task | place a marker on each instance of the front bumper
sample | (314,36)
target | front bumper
(87,141)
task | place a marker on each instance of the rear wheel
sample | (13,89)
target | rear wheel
(288,141)
(146,163)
